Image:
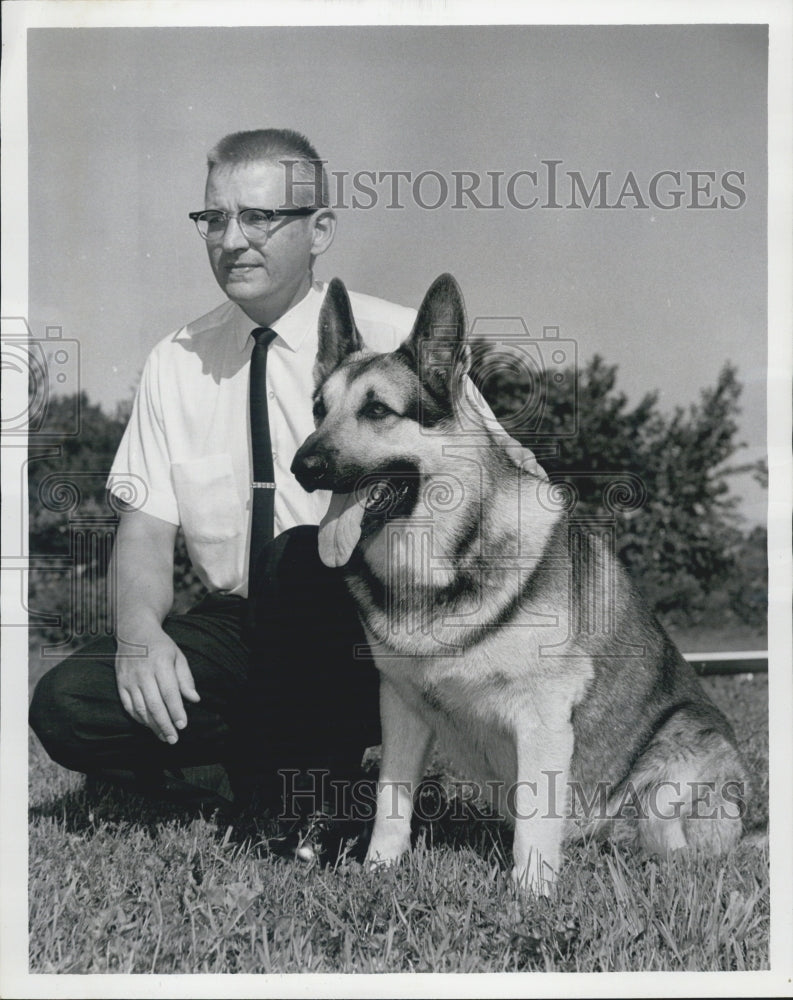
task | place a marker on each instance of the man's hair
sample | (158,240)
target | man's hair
(276,145)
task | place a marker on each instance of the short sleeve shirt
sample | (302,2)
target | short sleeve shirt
(185,456)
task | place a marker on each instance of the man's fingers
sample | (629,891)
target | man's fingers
(185,678)
(136,709)
(126,701)
(159,718)
(139,712)
(169,692)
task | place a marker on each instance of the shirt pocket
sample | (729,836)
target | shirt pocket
(212,518)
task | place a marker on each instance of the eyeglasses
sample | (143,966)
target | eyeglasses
(254,222)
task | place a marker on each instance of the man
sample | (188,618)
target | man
(262,684)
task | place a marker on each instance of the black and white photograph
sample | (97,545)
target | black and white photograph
(397,498)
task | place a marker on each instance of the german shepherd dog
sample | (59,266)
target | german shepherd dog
(479,613)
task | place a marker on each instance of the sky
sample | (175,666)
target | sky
(120,120)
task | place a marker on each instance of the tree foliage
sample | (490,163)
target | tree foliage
(69,507)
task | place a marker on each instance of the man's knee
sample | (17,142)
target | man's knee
(49,714)
(67,708)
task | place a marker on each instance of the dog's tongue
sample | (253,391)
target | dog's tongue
(340,528)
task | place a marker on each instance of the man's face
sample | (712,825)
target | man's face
(265,279)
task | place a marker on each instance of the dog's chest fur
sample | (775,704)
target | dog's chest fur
(489,705)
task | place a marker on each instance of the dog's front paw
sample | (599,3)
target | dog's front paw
(384,854)
(377,863)
(535,877)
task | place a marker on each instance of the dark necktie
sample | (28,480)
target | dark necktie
(263,503)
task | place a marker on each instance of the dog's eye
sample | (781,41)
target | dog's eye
(319,410)
(375,410)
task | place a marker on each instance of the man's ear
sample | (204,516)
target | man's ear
(437,347)
(338,334)
(323,230)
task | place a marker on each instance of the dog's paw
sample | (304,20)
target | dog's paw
(375,861)
(535,878)
(381,856)
(378,864)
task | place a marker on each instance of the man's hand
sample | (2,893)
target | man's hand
(152,674)
(153,681)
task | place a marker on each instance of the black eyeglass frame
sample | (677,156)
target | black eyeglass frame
(269,213)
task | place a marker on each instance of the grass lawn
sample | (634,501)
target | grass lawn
(119,884)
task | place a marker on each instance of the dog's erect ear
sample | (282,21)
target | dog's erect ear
(437,347)
(338,334)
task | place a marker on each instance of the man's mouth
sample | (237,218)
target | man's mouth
(241,268)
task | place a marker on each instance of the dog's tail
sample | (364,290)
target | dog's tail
(756,837)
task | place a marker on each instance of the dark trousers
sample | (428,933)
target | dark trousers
(279,680)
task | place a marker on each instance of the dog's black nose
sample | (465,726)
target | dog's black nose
(310,470)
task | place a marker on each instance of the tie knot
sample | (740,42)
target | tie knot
(263,336)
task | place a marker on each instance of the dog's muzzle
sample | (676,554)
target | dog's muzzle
(388,492)
(311,469)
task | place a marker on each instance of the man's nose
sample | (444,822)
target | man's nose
(233,236)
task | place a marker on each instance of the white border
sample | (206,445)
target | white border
(17,17)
